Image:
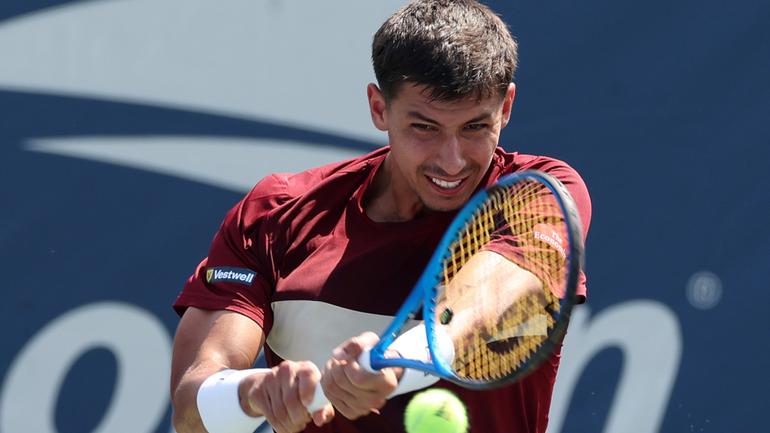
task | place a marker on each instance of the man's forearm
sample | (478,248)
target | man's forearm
(185,416)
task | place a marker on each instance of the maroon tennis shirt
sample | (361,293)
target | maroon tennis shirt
(300,257)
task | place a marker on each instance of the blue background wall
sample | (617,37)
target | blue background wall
(127,129)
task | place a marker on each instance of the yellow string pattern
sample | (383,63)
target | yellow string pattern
(524,224)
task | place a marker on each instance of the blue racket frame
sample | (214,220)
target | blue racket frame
(424,291)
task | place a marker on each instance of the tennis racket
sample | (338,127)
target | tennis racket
(497,293)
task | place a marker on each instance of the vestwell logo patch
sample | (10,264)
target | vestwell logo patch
(230,275)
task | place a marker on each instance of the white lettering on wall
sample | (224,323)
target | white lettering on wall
(650,338)
(138,340)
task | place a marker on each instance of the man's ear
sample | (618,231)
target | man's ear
(377,107)
(510,95)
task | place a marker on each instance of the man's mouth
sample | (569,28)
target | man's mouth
(447,187)
(445,183)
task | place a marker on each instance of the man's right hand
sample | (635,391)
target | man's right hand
(282,396)
(354,391)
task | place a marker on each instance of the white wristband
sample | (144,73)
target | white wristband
(219,404)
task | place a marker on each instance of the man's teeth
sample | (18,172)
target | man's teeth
(445,184)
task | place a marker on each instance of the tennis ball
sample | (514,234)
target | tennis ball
(436,411)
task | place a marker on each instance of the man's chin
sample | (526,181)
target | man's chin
(444,205)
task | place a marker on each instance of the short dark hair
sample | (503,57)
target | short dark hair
(455,48)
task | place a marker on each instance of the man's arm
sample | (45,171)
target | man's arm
(486,286)
(207,342)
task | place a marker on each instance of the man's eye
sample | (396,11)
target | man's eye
(423,127)
(476,126)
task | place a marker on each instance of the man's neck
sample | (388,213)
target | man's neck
(389,199)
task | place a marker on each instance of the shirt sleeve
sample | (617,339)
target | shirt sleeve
(579,191)
(545,258)
(238,274)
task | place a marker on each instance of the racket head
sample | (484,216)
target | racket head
(486,223)
(528,219)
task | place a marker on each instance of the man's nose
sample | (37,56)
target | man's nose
(450,156)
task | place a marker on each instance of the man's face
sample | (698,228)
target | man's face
(440,150)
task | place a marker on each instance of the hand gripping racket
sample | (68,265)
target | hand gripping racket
(497,293)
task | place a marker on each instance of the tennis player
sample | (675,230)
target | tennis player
(306,261)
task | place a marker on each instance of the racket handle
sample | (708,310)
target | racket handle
(319,400)
(413,344)
(365,360)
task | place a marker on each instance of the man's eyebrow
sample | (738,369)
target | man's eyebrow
(482,116)
(424,118)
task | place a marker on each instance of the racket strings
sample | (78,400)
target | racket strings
(523,223)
